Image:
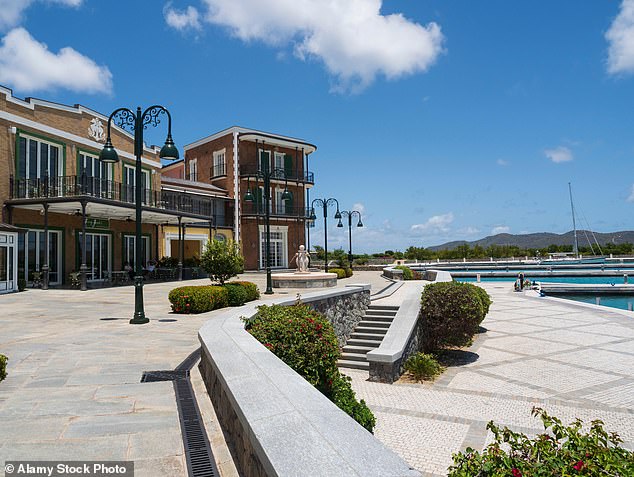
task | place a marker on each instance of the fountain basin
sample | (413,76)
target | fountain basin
(304,280)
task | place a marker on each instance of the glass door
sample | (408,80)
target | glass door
(98,256)
(94,175)
(31,250)
(278,249)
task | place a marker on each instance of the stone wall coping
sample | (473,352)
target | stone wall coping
(398,334)
(293,428)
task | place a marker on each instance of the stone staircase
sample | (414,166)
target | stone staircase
(367,335)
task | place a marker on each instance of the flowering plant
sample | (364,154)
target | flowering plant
(561,450)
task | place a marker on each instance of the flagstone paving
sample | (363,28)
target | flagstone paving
(73,389)
(572,360)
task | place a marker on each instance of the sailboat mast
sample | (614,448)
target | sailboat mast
(574,224)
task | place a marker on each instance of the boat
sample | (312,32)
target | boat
(573,258)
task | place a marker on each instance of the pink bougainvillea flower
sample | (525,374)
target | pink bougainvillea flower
(578,466)
(516,472)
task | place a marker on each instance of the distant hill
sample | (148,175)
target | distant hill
(542,239)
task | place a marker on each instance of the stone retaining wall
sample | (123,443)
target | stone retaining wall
(277,423)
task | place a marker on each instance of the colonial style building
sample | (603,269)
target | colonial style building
(235,160)
(77,211)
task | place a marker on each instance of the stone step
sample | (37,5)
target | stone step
(356,349)
(370,329)
(353,356)
(375,324)
(363,342)
(342,363)
(366,336)
(384,307)
(388,319)
(370,312)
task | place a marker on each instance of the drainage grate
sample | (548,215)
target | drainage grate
(200,460)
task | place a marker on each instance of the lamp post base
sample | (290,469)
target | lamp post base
(139,317)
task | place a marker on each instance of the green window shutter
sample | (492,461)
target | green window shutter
(288,165)
(264,156)
(259,200)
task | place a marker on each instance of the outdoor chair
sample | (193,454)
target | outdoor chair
(74,280)
(37,280)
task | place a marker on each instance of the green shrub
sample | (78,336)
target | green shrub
(342,394)
(341,273)
(198,299)
(305,340)
(484,298)
(252,289)
(168,262)
(222,260)
(423,366)
(561,450)
(21,284)
(451,313)
(3,366)
(236,294)
(407,272)
(348,272)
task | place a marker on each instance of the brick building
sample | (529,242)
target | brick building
(233,160)
(76,210)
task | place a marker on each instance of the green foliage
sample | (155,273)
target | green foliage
(198,299)
(363,260)
(222,260)
(21,284)
(340,257)
(342,394)
(485,299)
(168,262)
(423,366)
(451,313)
(305,340)
(407,272)
(236,294)
(3,366)
(561,450)
(320,252)
(191,262)
(252,289)
(348,272)
(341,273)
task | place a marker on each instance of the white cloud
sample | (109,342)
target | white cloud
(620,37)
(631,196)
(500,229)
(559,154)
(502,162)
(28,65)
(11,11)
(360,207)
(181,20)
(435,224)
(351,37)
(470,231)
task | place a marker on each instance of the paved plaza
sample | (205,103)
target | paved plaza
(571,360)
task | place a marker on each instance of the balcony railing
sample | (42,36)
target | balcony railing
(74,187)
(250,209)
(279,174)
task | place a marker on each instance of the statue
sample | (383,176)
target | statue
(302,259)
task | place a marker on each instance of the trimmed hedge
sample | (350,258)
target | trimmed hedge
(305,340)
(408,274)
(348,272)
(451,313)
(201,299)
(484,298)
(341,273)
(3,366)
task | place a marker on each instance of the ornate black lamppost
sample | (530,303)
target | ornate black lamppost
(138,121)
(266,174)
(349,214)
(324,203)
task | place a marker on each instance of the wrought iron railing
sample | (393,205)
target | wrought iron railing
(249,208)
(279,174)
(87,186)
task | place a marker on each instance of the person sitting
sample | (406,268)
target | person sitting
(128,268)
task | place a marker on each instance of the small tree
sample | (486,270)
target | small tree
(222,260)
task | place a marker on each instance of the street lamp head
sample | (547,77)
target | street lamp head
(248,197)
(338,215)
(286,195)
(169,150)
(312,217)
(108,154)
(339,224)
(360,224)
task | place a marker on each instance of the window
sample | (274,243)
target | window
(95,176)
(31,254)
(98,256)
(265,160)
(279,257)
(219,168)
(283,207)
(129,250)
(129,178)
(193,170)
(37,158)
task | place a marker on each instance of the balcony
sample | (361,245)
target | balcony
(251,209)
(279,174)
(77,187)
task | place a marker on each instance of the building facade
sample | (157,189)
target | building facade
(77,211)
(235,160)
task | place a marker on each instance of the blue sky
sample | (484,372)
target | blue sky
(440,120)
